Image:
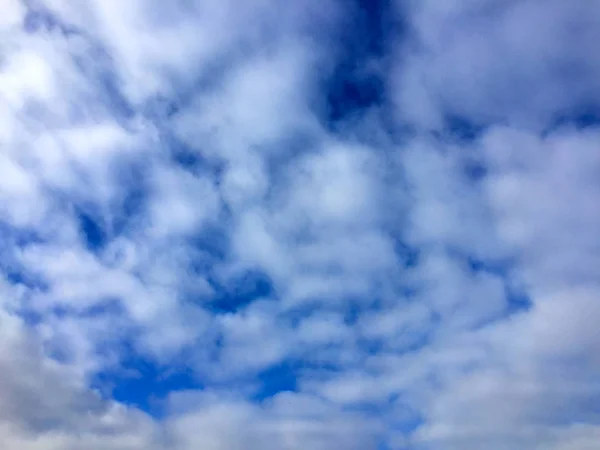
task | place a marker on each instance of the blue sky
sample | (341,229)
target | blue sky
(299,225)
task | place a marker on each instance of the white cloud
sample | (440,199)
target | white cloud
(494,60)
(13,12)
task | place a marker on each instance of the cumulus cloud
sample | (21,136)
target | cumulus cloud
(306,225)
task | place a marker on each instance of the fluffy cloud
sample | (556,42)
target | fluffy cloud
(402,257)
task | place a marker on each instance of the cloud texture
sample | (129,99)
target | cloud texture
(308,225)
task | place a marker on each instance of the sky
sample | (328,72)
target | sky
(310,224)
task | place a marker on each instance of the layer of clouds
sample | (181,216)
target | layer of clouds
(428,288)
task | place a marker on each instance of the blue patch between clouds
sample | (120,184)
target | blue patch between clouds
(351,312)
(11,239)
(159,108)
(110,306)
(212,240)
(583,118)
(409,256)
(409,420)
(279,378)
(144,384)
(356,82)
(130,208)
(92,231)
(498,268)
(518,299)
(474,171)
(183,155)
(460,128)
(241,291)
(40,19)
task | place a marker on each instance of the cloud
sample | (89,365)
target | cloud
(494,60)
(337,228)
